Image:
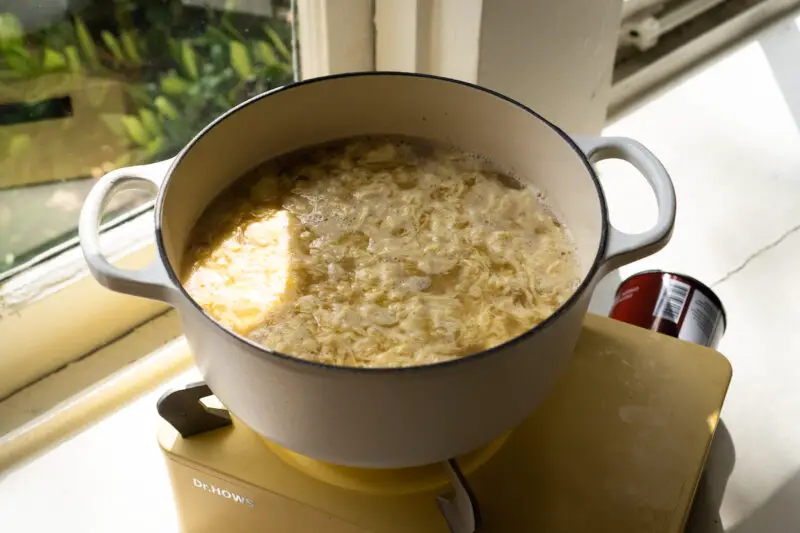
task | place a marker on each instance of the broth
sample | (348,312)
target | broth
(379,252)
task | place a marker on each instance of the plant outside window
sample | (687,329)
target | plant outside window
(106,84)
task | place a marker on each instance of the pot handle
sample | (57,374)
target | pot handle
(623,248)
(149,282)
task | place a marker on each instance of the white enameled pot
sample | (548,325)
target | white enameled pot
(381,417)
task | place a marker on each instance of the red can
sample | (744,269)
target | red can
(672,304)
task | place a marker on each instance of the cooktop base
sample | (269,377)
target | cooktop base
(618,447)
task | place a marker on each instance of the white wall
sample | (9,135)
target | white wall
(555,56)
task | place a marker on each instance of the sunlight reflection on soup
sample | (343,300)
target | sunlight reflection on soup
(245,277)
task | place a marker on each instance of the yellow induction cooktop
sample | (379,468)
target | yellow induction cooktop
(617,447)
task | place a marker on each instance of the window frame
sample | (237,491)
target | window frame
(434,37)
(54,312)
(493,42)
(335,36)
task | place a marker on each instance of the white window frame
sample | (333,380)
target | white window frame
(494,43)
(54,312)
(336,36)
(436,37)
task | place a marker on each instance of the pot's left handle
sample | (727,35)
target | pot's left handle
(149,282)
(623,248)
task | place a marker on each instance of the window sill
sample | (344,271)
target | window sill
(102,478)
(55,313)
(64,403)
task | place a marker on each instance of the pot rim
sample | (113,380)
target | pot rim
(264,352)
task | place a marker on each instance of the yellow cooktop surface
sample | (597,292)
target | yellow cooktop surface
(617,447)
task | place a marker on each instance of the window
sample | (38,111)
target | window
(95,85)
(90,85)
(87,86)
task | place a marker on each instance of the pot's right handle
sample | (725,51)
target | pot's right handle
(623,248)
(150,282)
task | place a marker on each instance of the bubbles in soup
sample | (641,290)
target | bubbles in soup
(379,252)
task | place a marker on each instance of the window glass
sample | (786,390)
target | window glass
(87,86)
